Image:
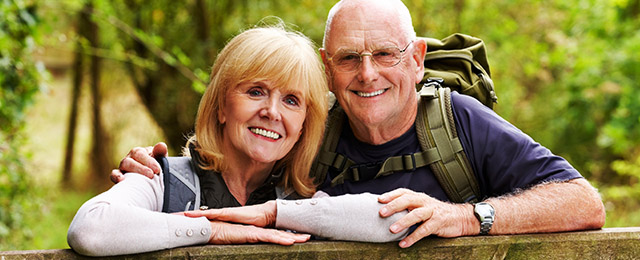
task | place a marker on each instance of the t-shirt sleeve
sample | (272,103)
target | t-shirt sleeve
(503,157)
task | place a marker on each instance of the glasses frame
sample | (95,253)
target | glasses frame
(360,55)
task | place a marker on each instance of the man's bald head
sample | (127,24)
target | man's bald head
(389,11)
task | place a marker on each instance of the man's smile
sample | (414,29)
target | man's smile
(370,94)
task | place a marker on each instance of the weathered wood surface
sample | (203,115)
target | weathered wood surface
(610,243)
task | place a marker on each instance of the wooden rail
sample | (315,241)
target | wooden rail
(610,243)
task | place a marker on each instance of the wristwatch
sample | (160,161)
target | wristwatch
(486,215)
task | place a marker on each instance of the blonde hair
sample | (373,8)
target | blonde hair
(280,56)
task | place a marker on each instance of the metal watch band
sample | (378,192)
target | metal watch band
(485,213)
(485,226)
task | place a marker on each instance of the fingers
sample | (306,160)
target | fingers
(416,216)
(422,231)
(160,149)
(145,157)
(142,160)
(226,233)
(130,165)
(116,176)
(139,160)
(403,200)
(209,214)
(258,215)
(279,236)
(389,196)
(437,218)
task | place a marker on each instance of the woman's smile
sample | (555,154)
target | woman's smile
(261,132)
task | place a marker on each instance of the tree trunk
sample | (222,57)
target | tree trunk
(100,157)
(78,75)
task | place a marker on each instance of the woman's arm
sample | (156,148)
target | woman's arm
(127,219)
(352,217)
(346,217)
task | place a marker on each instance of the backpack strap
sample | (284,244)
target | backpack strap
(347,169)
(441,149)
(327,157)
(181,184)
(436,130)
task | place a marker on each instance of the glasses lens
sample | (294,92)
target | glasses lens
(346,61)
(349,60)
(387,57)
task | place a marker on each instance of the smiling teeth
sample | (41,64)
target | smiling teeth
(265,133)
(370,94)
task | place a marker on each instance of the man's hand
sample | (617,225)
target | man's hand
(437,217)
(227,233)
(140,160)
(261,215)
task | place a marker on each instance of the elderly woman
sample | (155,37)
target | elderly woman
(258,128)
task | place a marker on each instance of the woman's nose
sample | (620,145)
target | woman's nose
(271,110)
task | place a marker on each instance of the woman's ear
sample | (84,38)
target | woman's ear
(419,51)
(221,117)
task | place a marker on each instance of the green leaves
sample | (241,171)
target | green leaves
(19,80)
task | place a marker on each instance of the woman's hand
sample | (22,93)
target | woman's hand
(261,215)
(227,233)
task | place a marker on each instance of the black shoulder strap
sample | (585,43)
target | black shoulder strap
(436,129)
(327,157)
(181,184)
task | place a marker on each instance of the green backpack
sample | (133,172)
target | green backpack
(458,62)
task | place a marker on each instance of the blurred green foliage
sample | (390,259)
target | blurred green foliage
(19,79)
(566,72)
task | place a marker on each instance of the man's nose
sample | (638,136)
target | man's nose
(271,109)
(368,72)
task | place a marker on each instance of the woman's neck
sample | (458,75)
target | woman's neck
(243,178)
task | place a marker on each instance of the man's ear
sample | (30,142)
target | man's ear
(327,68)
(419,51)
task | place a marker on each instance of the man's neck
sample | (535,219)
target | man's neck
(379,135)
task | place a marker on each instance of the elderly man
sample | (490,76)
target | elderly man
(528,188)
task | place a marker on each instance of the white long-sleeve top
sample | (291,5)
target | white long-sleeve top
(127,219)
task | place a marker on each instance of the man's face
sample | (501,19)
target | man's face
(373,96)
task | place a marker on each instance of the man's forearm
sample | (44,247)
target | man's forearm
(549,207)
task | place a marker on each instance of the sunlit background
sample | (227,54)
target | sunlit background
(566,72)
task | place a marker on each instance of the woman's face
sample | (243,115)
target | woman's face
(261,122)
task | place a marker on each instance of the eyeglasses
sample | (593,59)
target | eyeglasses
(349,61)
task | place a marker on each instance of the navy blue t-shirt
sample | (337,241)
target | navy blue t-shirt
(503,158)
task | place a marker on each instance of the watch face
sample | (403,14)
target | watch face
(484,210)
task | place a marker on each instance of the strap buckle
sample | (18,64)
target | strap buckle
(341,160)
(409,162)
(363,168)
(435,82)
